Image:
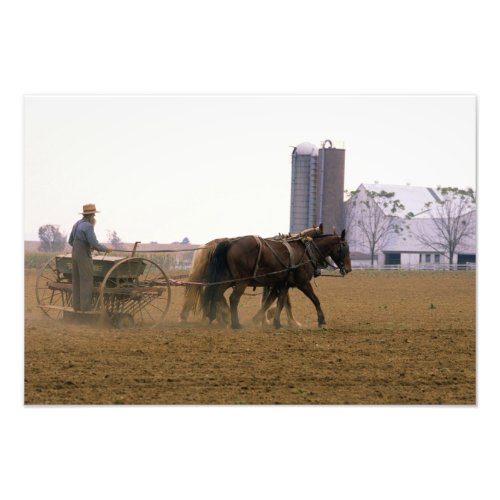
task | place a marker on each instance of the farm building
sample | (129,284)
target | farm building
(412,226)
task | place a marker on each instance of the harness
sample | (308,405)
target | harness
(259,245)
(316,258)
(314,254)
(287,266)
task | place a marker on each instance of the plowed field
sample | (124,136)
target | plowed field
(392,338)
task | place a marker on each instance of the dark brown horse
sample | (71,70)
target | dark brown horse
(253,261)
(198,273)
(192,295)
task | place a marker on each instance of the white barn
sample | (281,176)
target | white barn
(413,245)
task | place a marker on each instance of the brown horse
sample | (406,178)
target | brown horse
(199,266)
(192,294)
(252,261)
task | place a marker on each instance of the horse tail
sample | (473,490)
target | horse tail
(216,271)
(192,293)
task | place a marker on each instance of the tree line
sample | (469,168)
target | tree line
(52,239)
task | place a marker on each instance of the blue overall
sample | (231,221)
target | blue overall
(83,240)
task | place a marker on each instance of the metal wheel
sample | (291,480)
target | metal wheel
(136,288)
(53,290)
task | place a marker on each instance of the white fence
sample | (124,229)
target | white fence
(469,266)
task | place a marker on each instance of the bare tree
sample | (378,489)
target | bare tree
(374,215)
(51,238)
(114,239)
(451,222)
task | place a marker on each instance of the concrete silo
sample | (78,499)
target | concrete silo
(331,164)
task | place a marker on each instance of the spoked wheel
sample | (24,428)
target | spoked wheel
(135,291)
(53,290)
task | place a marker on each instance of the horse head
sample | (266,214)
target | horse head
(339,253)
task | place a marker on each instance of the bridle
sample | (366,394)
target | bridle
(342,255)
(323,262)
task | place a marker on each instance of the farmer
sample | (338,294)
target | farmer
(83,240)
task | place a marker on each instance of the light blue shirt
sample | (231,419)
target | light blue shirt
(83,230)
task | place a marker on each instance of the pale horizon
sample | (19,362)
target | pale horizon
(162,168)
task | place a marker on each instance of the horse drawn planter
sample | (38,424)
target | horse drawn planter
(136,291)
(126,290)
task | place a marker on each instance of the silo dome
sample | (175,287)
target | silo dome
(306,148)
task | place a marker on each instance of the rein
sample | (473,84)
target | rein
(315,255)
(235,280)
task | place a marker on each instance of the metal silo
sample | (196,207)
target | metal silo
(303,201)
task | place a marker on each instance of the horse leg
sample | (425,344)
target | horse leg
(288,306)
(211,306)
(223,312)
(308,291)
(185,312)
(190,301)
(281,301)
(234,300)
(270,314)
(266,318)
(260,317)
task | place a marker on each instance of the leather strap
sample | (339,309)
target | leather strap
(290,252)
(259,244)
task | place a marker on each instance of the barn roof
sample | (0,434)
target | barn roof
(414,198)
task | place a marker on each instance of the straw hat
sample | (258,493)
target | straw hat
(89,209)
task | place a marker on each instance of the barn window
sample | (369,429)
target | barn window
(466,258)
(436,258)
(427,258)
(392,259)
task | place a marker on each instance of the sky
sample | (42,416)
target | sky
(164,167)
